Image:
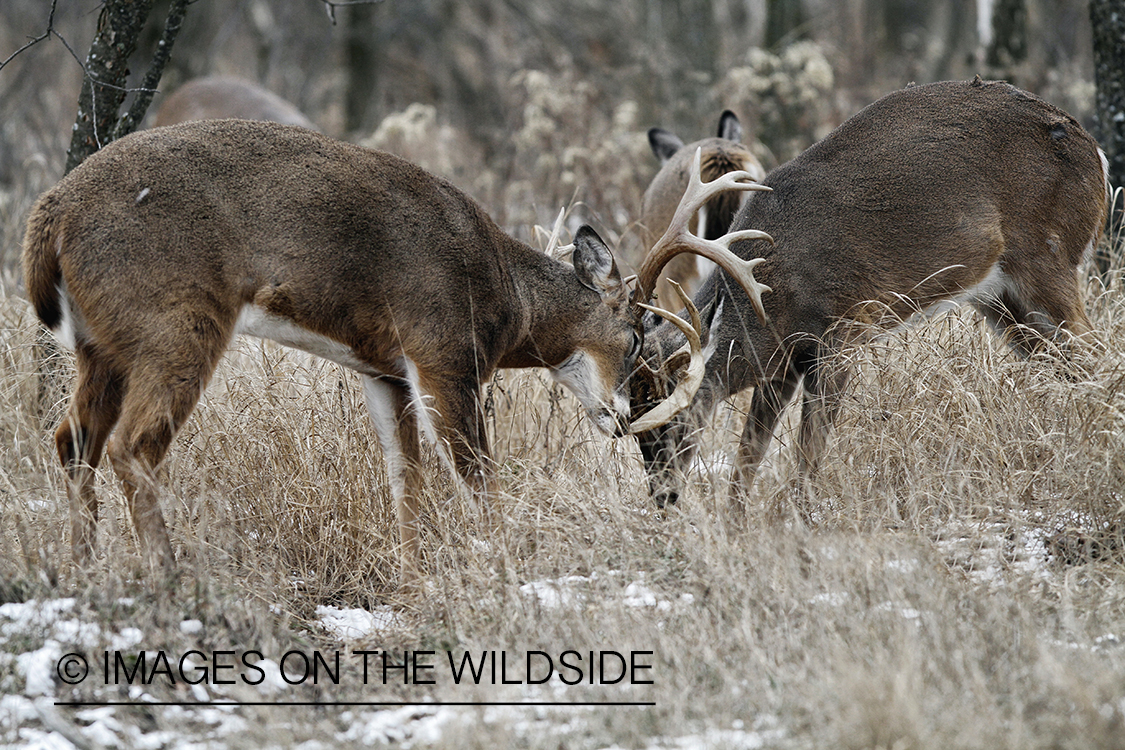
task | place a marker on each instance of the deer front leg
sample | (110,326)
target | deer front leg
(396,425)
(462,428)
(766,406)
(824,384)
(668,452)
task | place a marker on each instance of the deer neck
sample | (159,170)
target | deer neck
(550,298)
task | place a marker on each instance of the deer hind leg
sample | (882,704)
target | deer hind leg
(1027,322)
(164,387)
(1038,295)
(80,439)
(393,414)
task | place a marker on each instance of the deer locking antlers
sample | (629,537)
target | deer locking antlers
(155,252)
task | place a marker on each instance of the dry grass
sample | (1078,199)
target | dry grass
(933,602)
(961,583)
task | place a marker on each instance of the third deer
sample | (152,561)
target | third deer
(723,153)
(222,97)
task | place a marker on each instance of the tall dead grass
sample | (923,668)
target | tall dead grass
(959,582)
(924,606)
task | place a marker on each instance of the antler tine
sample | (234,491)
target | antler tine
(688,386)
(556,230)
(678,239)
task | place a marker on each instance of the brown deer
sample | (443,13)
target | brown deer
(721,154)
(156,251)
(971,192)
(221,97)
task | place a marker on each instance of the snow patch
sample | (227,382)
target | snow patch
(406,727)
(38,668)
(557,593)
(355,624)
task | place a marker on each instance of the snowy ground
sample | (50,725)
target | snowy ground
(43,645)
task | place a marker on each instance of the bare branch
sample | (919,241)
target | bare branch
(50,30)
(143,98)
(103,89)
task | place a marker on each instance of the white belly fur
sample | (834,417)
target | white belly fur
(995,283)
(254,321)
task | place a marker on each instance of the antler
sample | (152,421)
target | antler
(554,250)
(686,389)
(678,239)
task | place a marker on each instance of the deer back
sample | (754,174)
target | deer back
(197,221)
(221,97)
(942,191)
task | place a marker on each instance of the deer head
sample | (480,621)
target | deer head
(721,154)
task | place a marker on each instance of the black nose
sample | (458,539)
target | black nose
(665,498)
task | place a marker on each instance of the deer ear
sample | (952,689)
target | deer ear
(729,126)
(594,264)
(663,143)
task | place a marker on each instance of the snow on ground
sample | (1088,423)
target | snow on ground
(991,553)
(34,635)
(350,625)
(572,591)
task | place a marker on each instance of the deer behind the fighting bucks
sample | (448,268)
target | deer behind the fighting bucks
(723,153)
(149,257)
(221,97)
(972,192)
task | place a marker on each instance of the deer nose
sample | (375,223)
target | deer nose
(611,422)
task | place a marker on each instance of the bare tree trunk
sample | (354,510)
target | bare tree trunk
(1008,47)
(107,74)
(1107,17)
(362,65)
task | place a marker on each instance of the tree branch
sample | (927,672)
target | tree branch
(143,98)
(50,30)
(107,70)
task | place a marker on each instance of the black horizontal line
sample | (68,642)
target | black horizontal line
(435,704)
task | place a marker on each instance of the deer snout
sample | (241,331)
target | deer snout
(607,405)
(612,418)
(620,415)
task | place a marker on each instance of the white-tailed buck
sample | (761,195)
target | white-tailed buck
(721,154)
(221,97)
(157,250)
(972,192)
